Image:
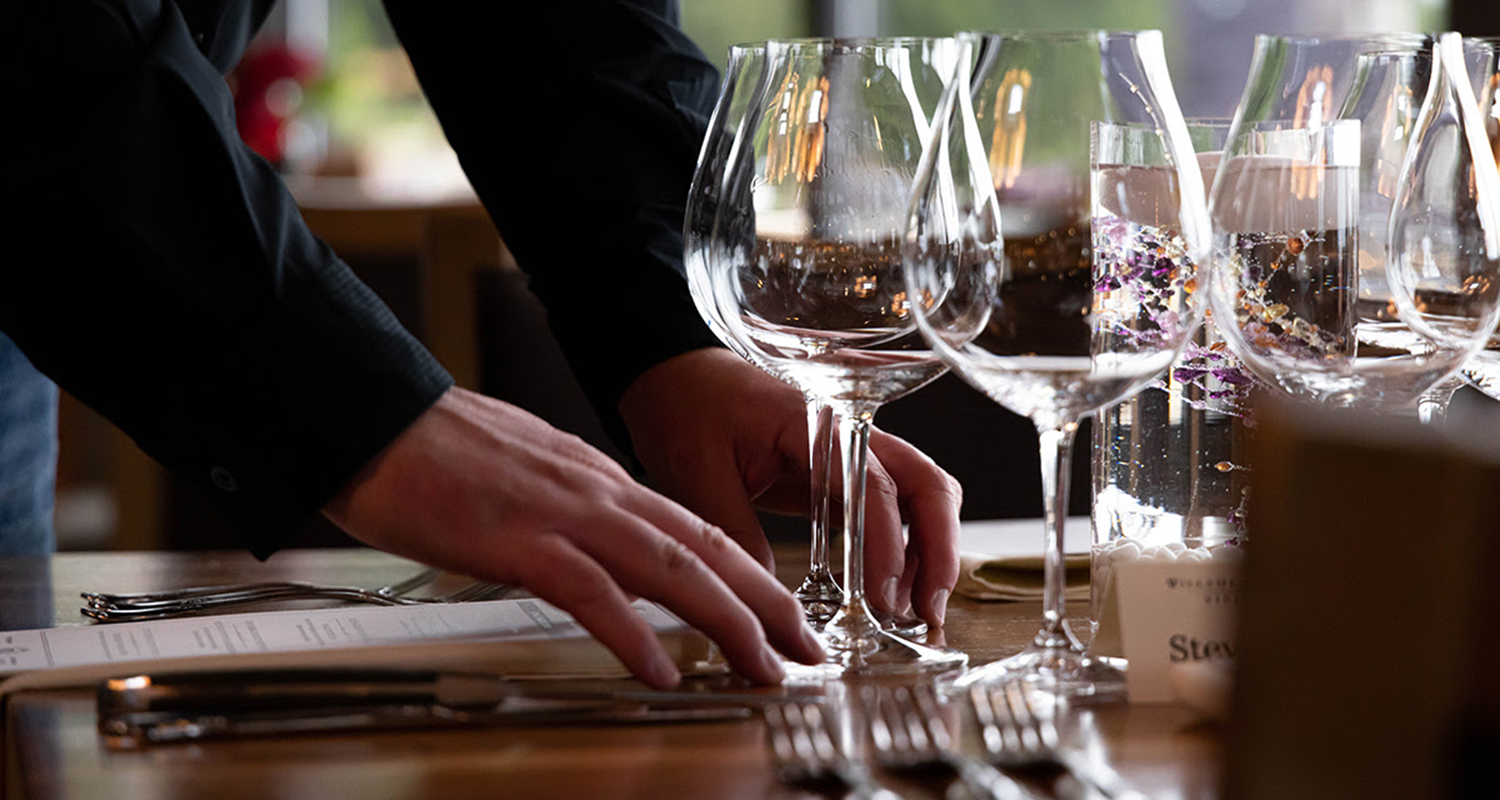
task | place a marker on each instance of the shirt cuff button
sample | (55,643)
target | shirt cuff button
(223,479)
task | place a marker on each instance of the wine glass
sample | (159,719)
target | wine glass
(1306,79)
(1388,92)
(1287,271)
(1084,297)
(1482,369)
(745,83)
(1444,236)
(805,266)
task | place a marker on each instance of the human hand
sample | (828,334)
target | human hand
(484,488)
(722,437)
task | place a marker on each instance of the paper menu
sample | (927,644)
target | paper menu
(518,637)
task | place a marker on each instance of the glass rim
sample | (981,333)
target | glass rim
(1345,37)
(1058,34)
(850,41)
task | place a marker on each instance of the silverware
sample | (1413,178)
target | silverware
(133,729)
(805,752)
(275,689)
(127,611)
(157,708)
(130,599)
(908,733)
(1016,734)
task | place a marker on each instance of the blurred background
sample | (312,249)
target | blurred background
(327,94)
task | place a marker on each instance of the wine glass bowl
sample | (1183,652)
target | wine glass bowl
(1444,229)
(1285,213)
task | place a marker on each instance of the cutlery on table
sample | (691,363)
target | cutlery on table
(908,733)
(130,599)
(178,603)
(1017,734)
(805,751)
(267,689)
(187,706)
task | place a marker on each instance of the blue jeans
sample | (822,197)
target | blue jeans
(28,454)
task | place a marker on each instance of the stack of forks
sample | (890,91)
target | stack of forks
(172,603)
(906,732)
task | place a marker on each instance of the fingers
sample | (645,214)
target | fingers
(577,584)
(716,491)
(711,582)
(931,499)
(478,486)
(885,543)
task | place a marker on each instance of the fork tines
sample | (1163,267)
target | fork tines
(905,726)
(805,751)
(1012,729)
(800,741)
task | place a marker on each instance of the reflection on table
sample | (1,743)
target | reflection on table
(54,752)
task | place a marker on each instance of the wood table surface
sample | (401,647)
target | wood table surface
(54,751)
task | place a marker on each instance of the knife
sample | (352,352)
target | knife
(266,690)
(130,730)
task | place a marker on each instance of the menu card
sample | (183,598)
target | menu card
(519,638)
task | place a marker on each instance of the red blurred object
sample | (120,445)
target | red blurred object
(268,86)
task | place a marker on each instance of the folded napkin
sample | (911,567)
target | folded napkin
(1002,559)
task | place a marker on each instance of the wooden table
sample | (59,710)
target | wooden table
(53,750)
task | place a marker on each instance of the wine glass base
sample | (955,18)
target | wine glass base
(1061,672)
(900,625)
(876,652)
(821,598)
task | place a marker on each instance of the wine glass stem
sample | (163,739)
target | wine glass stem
(854,618)
(1432,406)
(820,432)
(1057,460)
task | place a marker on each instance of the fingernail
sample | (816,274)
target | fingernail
(771,663)
(888,593)
(663,673)
(813,643)
(939,606)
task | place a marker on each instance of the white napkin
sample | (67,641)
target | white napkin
(1002,559)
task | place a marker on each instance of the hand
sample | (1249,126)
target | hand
(481,487)
(721,436)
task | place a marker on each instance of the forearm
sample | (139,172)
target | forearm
(165,277)
(582,150)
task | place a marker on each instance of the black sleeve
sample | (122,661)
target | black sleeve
(163,275)
(578,122)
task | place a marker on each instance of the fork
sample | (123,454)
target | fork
(136,599)
(291,591)
(804,751)
(1016,734)
(908,733)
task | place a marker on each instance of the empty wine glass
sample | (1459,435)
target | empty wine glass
(1482,369)
(745,83)
(1052,299)
(1304,80)
(1388,92)
(1444,239)
(805,266)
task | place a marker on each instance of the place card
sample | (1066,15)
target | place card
(1170,614)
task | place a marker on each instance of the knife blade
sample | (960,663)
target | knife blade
(271,689)
(131,730)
